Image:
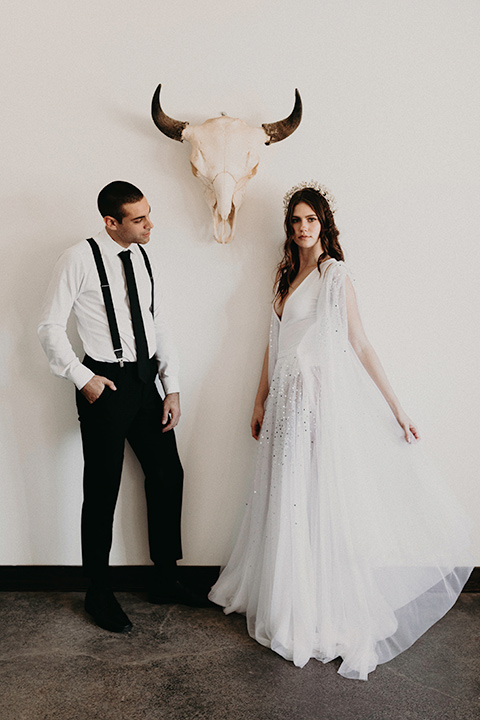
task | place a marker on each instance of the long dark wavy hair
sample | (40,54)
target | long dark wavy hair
(289,265)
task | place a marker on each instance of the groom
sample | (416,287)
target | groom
(114,290)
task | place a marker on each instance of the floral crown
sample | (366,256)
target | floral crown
(314,185)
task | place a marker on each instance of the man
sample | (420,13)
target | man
(115,297)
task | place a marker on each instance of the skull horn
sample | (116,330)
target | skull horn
(169,127)
(283,128)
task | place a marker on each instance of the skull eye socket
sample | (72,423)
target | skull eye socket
(197,161)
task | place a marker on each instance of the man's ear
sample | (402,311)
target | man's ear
(110,222)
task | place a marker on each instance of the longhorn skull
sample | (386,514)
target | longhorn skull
(225,156)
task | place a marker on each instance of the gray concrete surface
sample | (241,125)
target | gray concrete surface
(180,663)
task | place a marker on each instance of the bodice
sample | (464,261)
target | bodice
(299,313)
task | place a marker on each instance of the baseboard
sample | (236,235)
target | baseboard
(69,578)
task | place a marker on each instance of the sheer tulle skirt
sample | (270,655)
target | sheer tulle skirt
(351,545)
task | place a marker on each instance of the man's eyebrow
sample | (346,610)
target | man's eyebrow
(140,217)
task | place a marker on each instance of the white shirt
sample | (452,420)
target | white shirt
(75,285)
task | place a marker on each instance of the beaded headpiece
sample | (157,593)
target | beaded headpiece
(324,191)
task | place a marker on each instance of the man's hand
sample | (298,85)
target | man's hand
(95,387)
(171,411)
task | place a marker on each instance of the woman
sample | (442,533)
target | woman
(350,545)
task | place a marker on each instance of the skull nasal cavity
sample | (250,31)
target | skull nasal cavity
(224,186)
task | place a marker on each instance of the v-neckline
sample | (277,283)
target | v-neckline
(293,293)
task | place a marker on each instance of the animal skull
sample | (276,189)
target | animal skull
(225,155)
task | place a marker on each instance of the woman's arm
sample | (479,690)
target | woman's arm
(259,407)
(370,361)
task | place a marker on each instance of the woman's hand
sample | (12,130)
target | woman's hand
(408,426)
(257,420)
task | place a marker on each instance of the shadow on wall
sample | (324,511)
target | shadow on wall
(215,430)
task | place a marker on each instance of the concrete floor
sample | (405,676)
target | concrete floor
(197,664)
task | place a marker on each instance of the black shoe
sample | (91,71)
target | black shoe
(103,606)
(176,592)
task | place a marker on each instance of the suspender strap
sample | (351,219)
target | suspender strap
(107,295)
(149,270)
(107,298)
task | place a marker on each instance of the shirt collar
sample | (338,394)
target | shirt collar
(110,247)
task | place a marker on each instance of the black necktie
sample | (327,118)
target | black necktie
(144,371)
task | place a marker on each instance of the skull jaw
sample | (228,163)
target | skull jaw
(224,229)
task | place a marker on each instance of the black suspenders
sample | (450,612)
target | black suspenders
(149,270)
(107,296)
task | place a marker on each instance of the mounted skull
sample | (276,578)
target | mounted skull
(225,156)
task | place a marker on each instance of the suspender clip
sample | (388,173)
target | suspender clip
(119,355)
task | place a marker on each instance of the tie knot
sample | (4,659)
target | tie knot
(125,254)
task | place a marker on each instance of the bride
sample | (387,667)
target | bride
(351,545)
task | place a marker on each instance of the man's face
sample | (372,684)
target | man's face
(135,226)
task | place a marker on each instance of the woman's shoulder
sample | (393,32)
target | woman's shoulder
(335,274)
(332,266)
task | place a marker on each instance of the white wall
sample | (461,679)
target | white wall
(391,118)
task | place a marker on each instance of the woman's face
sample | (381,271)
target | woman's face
(306,226)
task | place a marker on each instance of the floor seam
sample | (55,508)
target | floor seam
(433,689)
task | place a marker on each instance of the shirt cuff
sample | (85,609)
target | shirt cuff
(170,384)
(81,376)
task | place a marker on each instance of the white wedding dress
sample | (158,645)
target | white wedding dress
(351,545)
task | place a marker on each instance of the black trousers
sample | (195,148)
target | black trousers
(133,412)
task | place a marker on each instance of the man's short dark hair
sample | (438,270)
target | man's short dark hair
(114,196)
